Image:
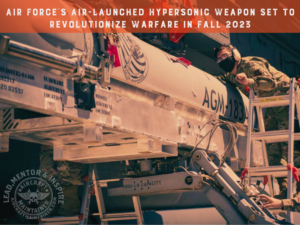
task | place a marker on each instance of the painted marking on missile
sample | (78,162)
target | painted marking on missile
(234,109)
(101,97)
(102,111)
(53,81)
(101,104)
(11,89)
(133,59)
(104,107)
(50,95)
(7,79)
(270,100)
(55,89)
(16,73)
(214,103)
(166,56)
(206,75)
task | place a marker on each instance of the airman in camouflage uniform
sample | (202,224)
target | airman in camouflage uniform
(69,176)
(257,73)
(292,204)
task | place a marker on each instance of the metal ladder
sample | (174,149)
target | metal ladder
(290,100)
(93,186)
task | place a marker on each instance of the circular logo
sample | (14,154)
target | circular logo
(188,180)
(33,194)
(34,197)
(133,59)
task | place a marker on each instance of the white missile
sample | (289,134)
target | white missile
(153,70)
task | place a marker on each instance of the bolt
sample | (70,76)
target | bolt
(188,180)
(252,217)
(197,156)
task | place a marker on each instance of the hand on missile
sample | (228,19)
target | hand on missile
(242,78)
(269,202)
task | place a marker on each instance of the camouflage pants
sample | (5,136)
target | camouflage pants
(278,119)
(69,176)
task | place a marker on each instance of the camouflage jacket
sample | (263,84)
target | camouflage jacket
(67,173)
(291,204)
(261,76)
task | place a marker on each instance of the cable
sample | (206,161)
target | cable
(230,145)
(193,150)
(233,140)
(191,174)
(203,128)
(211,132)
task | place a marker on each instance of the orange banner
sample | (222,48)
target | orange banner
(150,16)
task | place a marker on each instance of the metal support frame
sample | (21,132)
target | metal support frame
(250,129)
(265,153)
(82,219)
(290,100)
(291,143)
(105,217)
